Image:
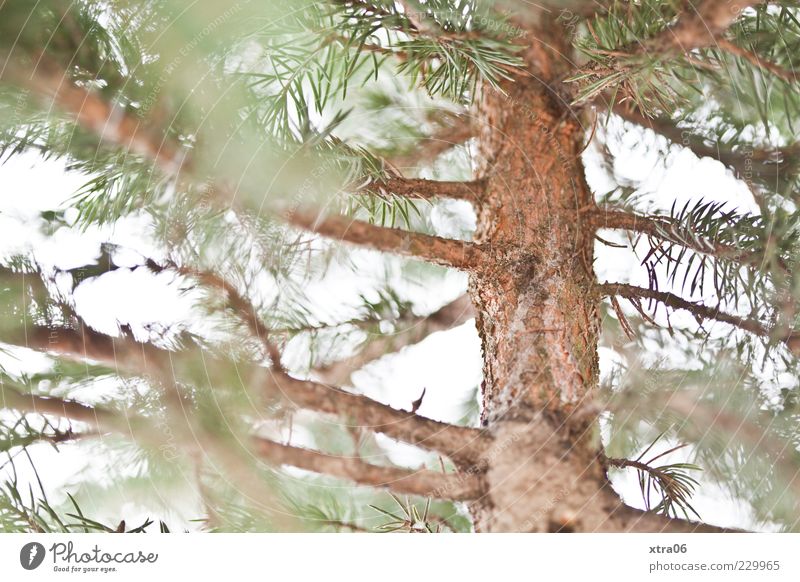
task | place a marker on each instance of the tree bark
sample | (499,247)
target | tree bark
(537,314)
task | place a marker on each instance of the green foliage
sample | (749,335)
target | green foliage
(743,435)
(411,520)
(646,78)
(766,244)
(672,483)
(25,511)
(276,105)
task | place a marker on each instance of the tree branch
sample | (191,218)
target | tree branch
(707,416)
(418,18)
(698,26)
(430,148)
(441,251)
(748,161)
(178,437)
(454,441)
(244,308)
(82,344)
(425,483)
(428,189)
(109,123)
(699,310)
(70,409)
(662,228)
(453,314)
(636,520)
(445,438)
(754,59)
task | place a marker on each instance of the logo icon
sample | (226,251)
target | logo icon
(31,555)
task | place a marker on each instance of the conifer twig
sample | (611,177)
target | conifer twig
(412,331)
(421,482)
(754,59)
(662,228)
(699,25)
(441,251)
(744,161)
(700,311)
(454,441)
(429,148)
(428,189)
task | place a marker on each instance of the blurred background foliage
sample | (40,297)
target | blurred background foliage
(244,109)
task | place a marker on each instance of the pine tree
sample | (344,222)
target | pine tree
(266,144)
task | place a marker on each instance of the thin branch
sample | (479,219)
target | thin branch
(181,436)
(423,482)
(340,524)
(147,360)
(700,311)
(636,520)
(698,26)
(414,331)
(708,416)
(746,161)
(75,340)
(375,9)
(418,18)
(445,438)
(638,465)
(430,148)
(84,344)
(31,403)
(426,483)
(244,308)
(428,189)
(441,251)
(108,122)
(754,59)
(662,228)
(454,441)
(57,438)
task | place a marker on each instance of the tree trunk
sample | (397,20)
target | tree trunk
(538,313)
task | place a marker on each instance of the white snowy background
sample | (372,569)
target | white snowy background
(447,364)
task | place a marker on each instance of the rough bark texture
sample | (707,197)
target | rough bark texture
(531,282)
(536,301)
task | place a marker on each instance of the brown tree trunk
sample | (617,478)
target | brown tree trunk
(538,313)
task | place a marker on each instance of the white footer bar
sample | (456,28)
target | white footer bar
(387,557)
